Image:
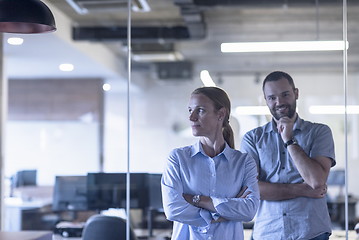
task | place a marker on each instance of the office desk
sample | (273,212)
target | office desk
(33,235)
(13,212)
(341,235)
(337,212)
(26,235)
(59,237)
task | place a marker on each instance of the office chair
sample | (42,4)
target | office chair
(102,227)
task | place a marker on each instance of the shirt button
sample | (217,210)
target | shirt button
(284,214)
(283,153)
(209,238)
(283,167)
(213,175)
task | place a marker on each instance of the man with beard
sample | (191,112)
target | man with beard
(293,157)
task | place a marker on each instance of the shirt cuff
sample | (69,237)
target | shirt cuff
(217,201)
(206,215)
(215,216)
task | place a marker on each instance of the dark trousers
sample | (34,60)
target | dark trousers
(324,236)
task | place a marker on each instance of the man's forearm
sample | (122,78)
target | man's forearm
(286,191)
(275,191)
(314,171)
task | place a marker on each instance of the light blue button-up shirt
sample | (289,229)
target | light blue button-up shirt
(189,170)
(299,218)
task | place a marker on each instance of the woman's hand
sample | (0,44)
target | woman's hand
(188,198)
(243,193)
(204,202)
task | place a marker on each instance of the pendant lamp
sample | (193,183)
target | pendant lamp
(25,16)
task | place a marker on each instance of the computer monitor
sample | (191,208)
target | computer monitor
(155,193)
(108,190)
(336,177)
(25,178)
(70,193)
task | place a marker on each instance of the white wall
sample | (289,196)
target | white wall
(159,122)
(53,148)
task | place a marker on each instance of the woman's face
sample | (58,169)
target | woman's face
(205,120)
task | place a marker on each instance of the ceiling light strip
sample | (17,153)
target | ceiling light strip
(207,79)
(315,109)
(76,7)
(333,109)
(157,57)
(294,46)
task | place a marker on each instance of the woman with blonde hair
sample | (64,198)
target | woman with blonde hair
(209,188)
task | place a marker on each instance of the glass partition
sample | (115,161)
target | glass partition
(158,109)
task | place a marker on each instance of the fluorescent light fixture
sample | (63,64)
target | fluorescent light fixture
(15,41)
(333,109)
(141,6)
(207,79)
(283,46)
(157,57)
(86,6)
(77,8)
(252,110)
(66,67)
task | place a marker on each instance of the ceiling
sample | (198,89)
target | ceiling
(95,42)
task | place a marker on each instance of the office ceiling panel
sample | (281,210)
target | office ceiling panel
(194,29)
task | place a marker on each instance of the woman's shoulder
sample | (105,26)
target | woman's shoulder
(238,154)
(184,150)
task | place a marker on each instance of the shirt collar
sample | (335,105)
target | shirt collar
(271,126)
(197,148)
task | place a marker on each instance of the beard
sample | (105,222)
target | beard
(284,110)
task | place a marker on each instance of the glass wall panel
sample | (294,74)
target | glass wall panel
(159,115)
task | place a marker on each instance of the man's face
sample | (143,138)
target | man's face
(281,98)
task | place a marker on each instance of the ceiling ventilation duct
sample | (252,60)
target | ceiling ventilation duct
(194,28)
(87,6)
(138,34)
(264,3)
(193,18)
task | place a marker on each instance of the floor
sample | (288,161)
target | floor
(341,234)
(336,235)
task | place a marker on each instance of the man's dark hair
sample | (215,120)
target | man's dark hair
(278,75)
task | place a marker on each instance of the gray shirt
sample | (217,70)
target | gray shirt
(298,218)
